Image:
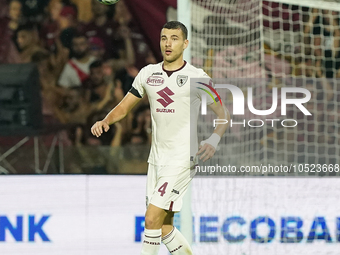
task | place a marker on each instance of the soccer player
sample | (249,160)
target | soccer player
(167,85)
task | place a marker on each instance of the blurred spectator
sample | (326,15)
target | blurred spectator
(8,52)
(75,110)
(61,23)
(96,86)
(51,93)
(101,156)
(100,26)
(327,88)
(305,68)
(54,8)
(126,55)
(118,45)
(50,27)
(113,137)
(14,14)
(33,10)
(282,16)
(28,42)
(46,76)
(3,8)
(77,68)
(316,106)
(8,24)
(84,10)
(136,142)
(143,54)
(125,77)
(325,41)
(97,48)
(332,123)
(141,127)
(67,25)
(308,69)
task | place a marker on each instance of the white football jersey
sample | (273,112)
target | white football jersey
(174,112)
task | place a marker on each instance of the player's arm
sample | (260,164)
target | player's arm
(208,147)
(116,114)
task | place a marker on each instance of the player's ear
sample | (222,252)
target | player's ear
(186,43)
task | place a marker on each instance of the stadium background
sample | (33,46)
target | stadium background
(44,127)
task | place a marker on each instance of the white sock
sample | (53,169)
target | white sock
(152,241)
(176,243)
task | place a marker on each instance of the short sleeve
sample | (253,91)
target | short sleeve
(138,83)
(69,77)
(63,80)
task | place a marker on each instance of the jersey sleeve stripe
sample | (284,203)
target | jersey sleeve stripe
(135,92)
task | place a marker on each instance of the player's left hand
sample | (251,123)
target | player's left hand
(207,151)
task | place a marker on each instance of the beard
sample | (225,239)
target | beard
(79,54)
(98,82)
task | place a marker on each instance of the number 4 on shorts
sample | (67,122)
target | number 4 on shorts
(162,188)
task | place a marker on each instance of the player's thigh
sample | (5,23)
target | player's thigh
(162,194)
(169,190)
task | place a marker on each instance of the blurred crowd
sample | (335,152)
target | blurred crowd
(87,54)
(314,63)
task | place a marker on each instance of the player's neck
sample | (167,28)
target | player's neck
(173,66)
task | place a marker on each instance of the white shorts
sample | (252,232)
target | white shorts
(166,186)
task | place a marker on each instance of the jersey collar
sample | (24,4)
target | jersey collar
(169,73)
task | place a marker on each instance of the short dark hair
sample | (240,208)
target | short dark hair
(79,34)
(96,64)
(30,27)
(177,25)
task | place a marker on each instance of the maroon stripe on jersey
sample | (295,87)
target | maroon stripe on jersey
(169,73)
(171,205)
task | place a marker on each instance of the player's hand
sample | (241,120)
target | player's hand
(98,128)
(206,151)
